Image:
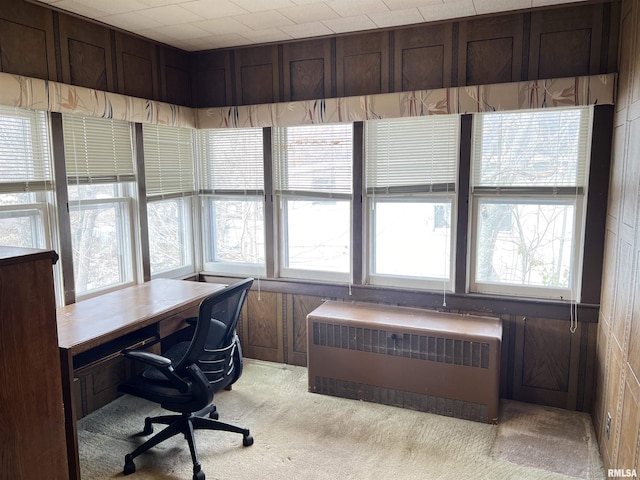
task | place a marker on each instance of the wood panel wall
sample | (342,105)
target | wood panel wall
(42,43)
(618,349)
(558,42)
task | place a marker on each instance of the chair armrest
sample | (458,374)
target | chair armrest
(147,357)
(191,320)
(161,363)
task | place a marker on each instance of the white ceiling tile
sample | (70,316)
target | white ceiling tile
(114,7)
(213,8)
(396,17)
(170,15)
(350,24)
(131,21)
(268,35)
(462,8)
(219,41)
(159,3)
(493,6)
(264,20)
(307,2)
(263,5)
(305,30)
(314,12)
(184,32)
(222,26)
(86,9)
(404,4)
(357,7)
(157,34)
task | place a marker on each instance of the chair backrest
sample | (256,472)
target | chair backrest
(213,347)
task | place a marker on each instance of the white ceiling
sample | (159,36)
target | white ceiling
(194,25)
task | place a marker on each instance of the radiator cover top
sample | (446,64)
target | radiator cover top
(429,361)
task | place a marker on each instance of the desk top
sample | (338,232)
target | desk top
(88,323)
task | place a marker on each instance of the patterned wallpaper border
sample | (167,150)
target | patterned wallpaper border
(38,94)
(562,92)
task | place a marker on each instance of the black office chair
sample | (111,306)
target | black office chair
(186,377)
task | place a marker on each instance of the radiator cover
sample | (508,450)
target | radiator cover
(424,360)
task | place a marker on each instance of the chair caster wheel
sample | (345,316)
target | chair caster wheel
(247,441)
(199,475)
(129,466)
(214,415)
(148,427)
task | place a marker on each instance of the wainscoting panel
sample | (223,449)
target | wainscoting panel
(256,75)
(307,70)
(479,44)
(298,307)
(362,64)
(27,44)
(212,79)
(87,57)
(422,57)
(175,77)
(262,332)
(137,67)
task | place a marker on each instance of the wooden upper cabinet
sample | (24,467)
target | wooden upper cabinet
(86,54)
(307,70)
(422,57)
(137,64)
(566,42)
(362,64)
(490,50)
(27,45)
(257,78)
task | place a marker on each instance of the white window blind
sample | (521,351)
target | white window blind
(98,150)
(412,154)
(168,161)
(533,149)
(231,161)
(25,163)
(314,159)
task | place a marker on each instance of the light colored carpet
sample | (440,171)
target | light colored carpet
(300,435)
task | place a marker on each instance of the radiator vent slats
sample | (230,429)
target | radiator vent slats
(423,347)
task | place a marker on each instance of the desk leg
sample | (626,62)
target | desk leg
(71,430)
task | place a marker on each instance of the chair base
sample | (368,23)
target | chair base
(185,423)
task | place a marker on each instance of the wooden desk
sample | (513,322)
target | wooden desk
(104,325)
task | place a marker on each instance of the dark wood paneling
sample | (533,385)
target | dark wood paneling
(422,57)
(86,54)
(175,77)
(490,50)
(362,64)
(257,78)
(262,332)
(307,70)
(298,307)
(212,79)
(137,67)
(566,42)
(27,44)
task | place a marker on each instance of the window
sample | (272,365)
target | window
(410,180)
(169,172)
(100,176)
(231,179)
(313,182)
(26,179)
(529,179)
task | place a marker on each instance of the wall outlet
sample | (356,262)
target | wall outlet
(607,427)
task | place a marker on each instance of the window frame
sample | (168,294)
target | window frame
(577,194)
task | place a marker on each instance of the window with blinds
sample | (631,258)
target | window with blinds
(168,161)
(231,187)
(98,150)
(25,162)
(411,167)
(314,160)
(231,161)
(529,176)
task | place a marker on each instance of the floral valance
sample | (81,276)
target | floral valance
(37,94)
